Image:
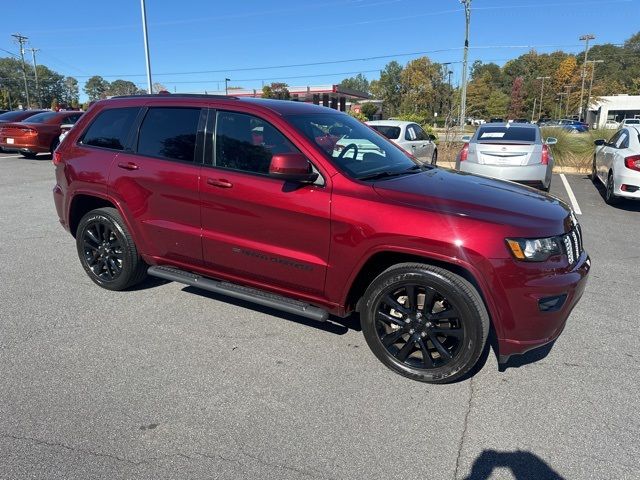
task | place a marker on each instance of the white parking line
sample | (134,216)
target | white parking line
(572,197)
(10,156)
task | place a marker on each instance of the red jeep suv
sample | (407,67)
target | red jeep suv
(305,209)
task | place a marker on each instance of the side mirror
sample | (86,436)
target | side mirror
(466,138)
(551,141)
(293,167)
(432,137)
(599,142)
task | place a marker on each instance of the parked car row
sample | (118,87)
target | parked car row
(34,131)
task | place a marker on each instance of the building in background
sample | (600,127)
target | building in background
(614,107)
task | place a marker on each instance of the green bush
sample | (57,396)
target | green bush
(358,115)
(575,149)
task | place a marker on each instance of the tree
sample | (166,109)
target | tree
(369,109)
(389,88)
(420,80)
(515,107)
(158,87)
(358,83)
(54,104)
(497,104)
(96,88)
(70,95)
(122,87)
(276,90)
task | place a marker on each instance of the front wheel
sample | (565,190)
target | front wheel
(107,251)
(424,322)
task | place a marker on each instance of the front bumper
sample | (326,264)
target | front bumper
(538,175)
(528,326)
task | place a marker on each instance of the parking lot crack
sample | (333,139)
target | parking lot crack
(464,430)
(83,451)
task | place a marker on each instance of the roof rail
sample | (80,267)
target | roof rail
(173,95)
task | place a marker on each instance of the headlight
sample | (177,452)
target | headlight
(534,250)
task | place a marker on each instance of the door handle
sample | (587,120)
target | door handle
(128,165)
(413,146)
(221,183)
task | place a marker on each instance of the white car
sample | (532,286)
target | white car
(616,164)
(409,136)
(64,129)
(611,125)
(630,121)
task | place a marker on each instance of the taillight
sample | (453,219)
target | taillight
(464,153)
(545,154)
(633,162)
(28,131)
(57,158)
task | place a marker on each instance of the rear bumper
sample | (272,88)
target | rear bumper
(30,145)
(529,326)
(538,175)
(629,178)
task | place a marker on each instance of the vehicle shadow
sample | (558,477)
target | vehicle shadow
(335,325)
(527,358)
(523,465)
(626,205)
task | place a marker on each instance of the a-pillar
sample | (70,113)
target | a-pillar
(325,99)
(343,104)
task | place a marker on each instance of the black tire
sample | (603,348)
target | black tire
(424,335)
(28,155)
(609,196)
(107,252)
(434,157)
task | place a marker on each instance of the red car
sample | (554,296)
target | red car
(180,187)
(36,134)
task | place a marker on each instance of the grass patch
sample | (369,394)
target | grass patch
(575,149)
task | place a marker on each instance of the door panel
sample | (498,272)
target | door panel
(259,227)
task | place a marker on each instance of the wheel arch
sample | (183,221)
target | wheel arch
(381,260)
(82,203)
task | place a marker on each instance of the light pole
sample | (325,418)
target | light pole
(226,86)
(559,109)
(463,95)
(566,107)
(541,93)
(21,39)
(585,39)
(146,46)
(593,67)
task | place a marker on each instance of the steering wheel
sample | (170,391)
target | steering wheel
(349,147)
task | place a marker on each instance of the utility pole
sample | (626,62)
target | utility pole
(463,96)
(533,113)
(593,67)
(585,39)
(35,73)
(226,86)
(566,107)
(21,39)
(541,93)
(559,107)
(146,46)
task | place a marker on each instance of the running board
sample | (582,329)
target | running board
(249,294)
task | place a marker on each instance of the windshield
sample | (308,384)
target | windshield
(392,133)
(632,121)
(40,117)
(352,146)
(505,133)
(10,116)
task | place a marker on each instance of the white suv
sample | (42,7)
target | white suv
(409,136)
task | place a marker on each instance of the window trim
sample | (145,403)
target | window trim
(133,144)
(210,160)
(126,146)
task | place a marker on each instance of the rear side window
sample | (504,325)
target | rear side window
(388,131)
(11,116)
(110,128)
(41,117)
(71,119)
(508,134)
(168,132)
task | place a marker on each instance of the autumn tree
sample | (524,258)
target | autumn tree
(516,104)
(276,90)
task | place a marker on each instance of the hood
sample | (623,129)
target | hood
(481,198)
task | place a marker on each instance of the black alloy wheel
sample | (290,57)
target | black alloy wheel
(107,251)
(424,322)
(102,250)
(434,157)
(610,197)
(419,326)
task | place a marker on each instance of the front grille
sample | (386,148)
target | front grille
(572,242)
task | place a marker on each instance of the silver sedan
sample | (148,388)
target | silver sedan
(508,151)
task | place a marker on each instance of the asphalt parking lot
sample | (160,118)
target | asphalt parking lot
(167,382)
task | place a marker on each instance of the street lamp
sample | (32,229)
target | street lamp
(463,95)
(146,46)
(585,39)
(226,86)
(541,93)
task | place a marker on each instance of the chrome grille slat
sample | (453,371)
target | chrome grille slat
(572,242)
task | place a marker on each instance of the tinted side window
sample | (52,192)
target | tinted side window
(71,119)
(623,141)
(169,132)
(410,134)
(245,142)
(613,140)
(420,133)
(110,128)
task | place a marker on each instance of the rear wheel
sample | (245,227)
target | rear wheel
(434,157)
(107,251)
(424,322)
(594,173)
(28,154)
(610,197)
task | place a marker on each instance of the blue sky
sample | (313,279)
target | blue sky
(220,38)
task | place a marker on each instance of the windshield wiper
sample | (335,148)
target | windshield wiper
(390,174)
